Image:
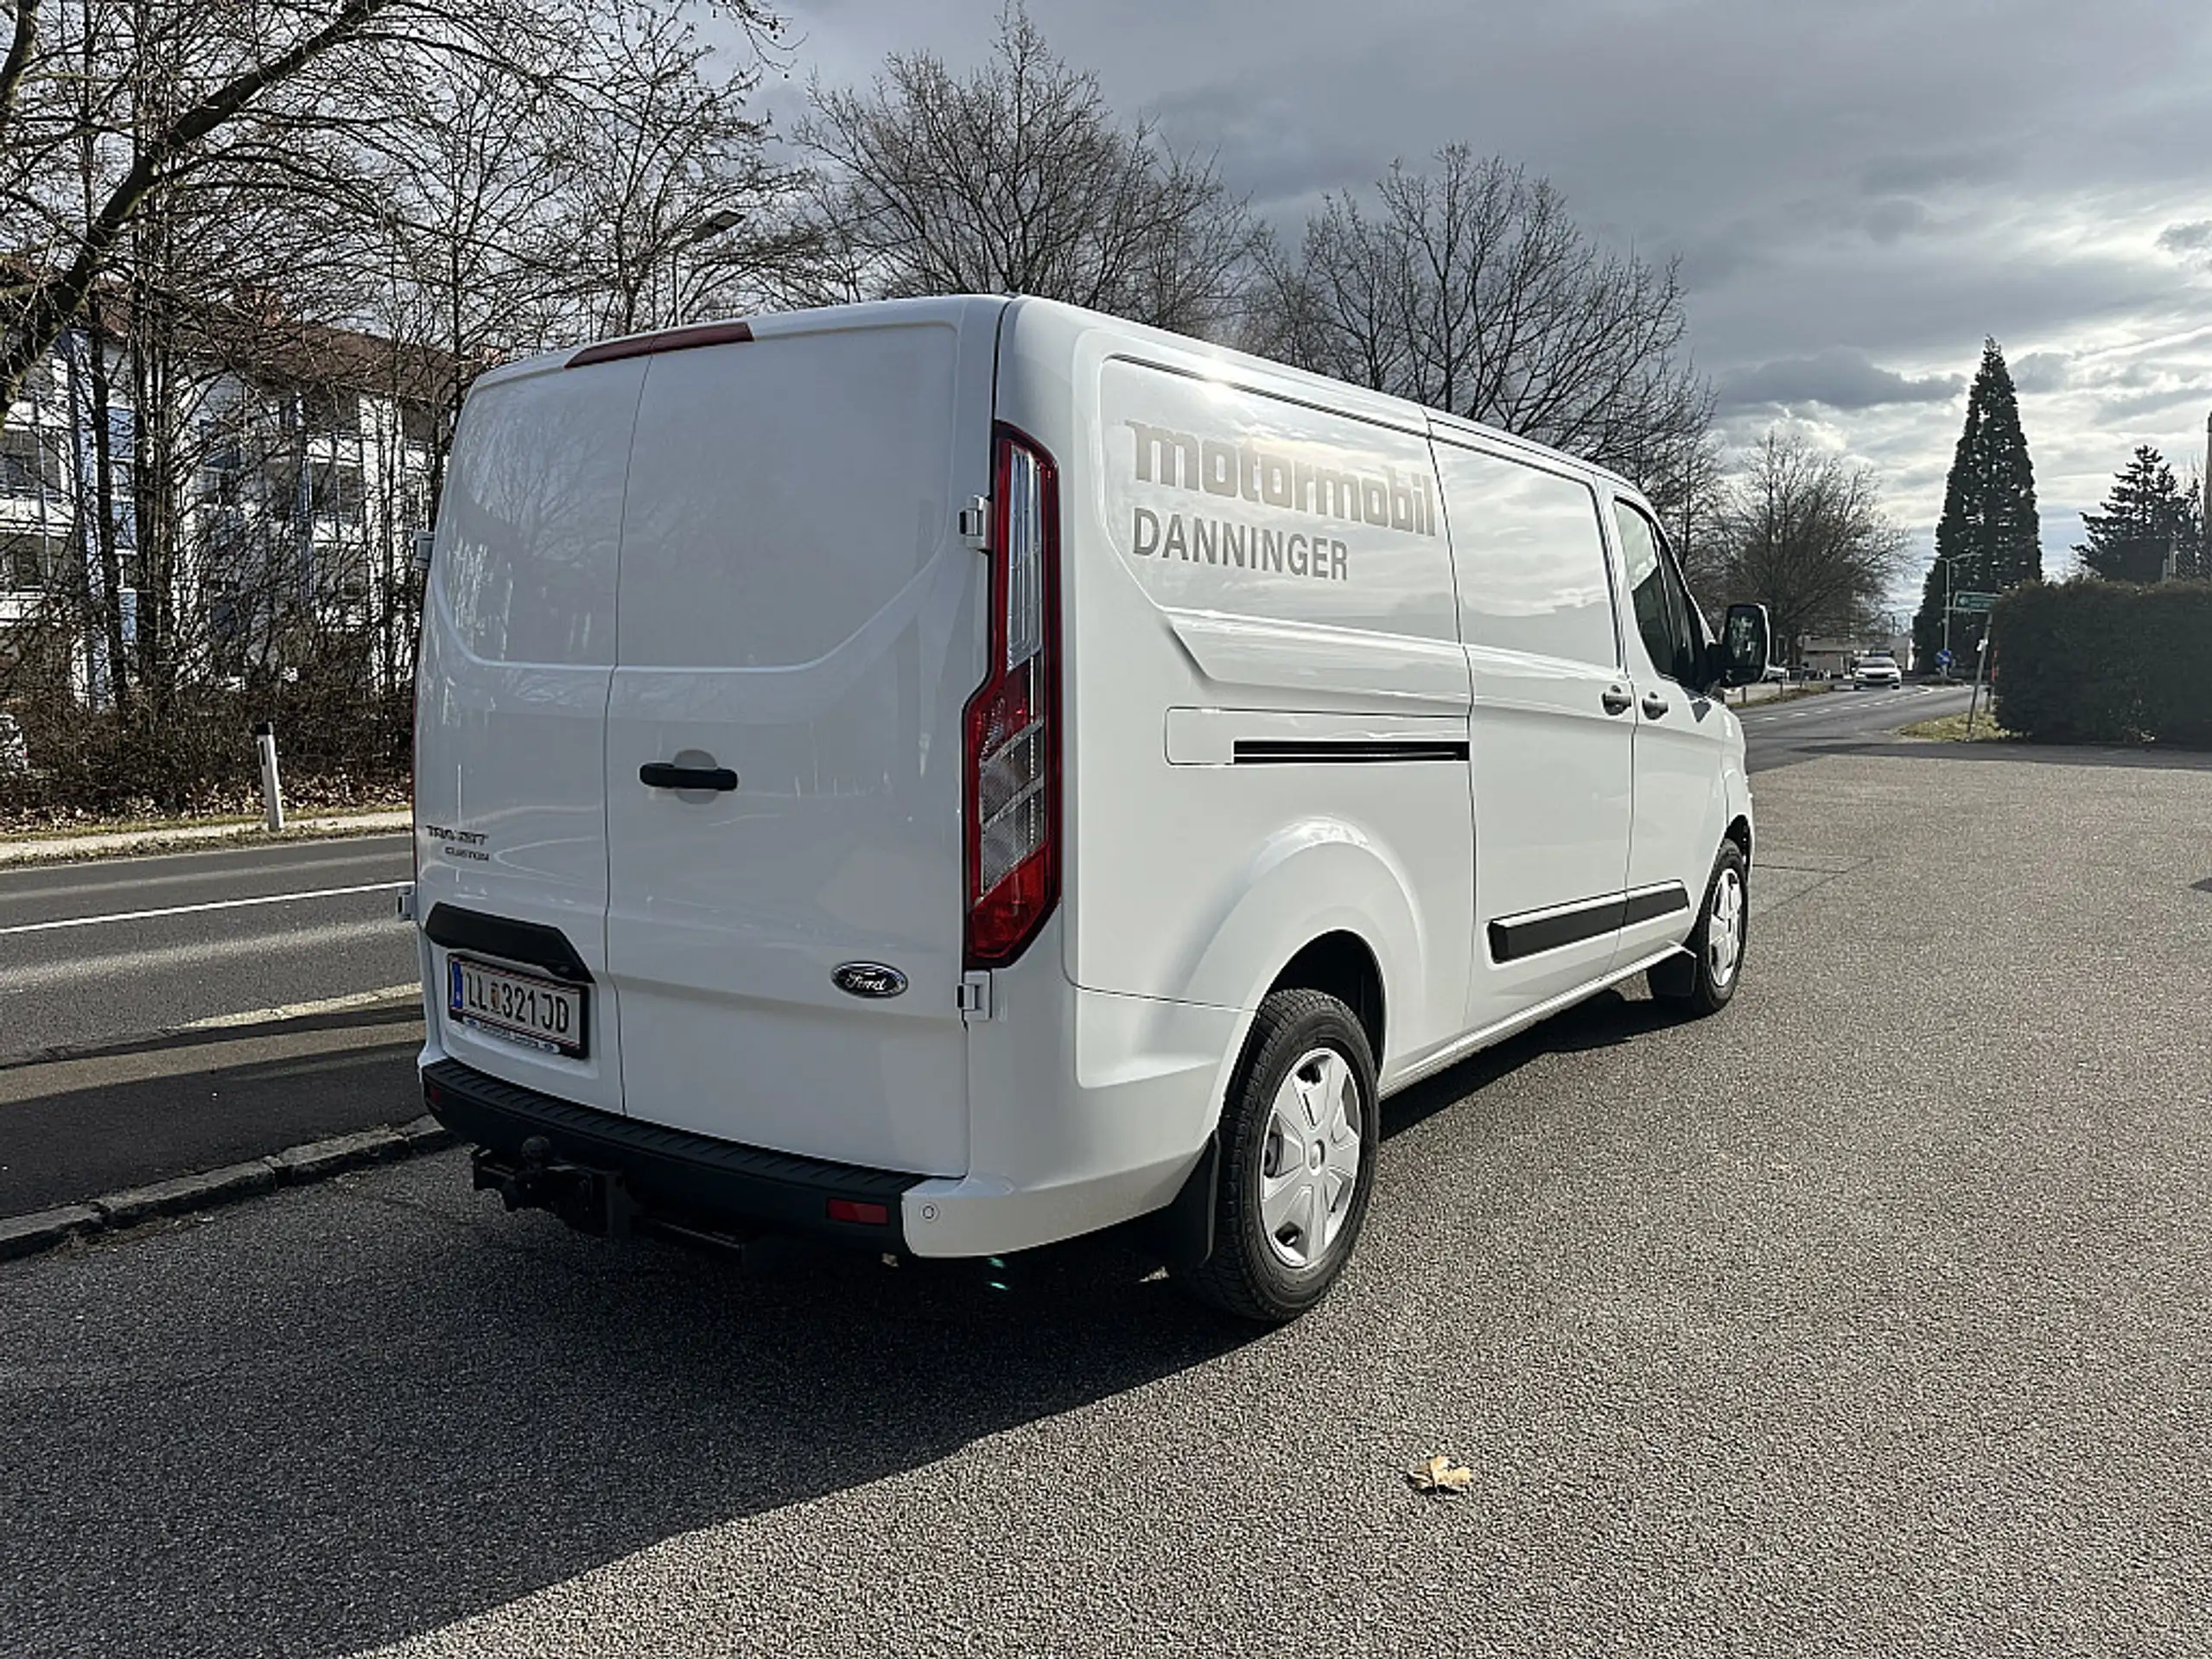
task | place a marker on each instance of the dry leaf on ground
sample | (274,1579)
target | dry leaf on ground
(1440,1474)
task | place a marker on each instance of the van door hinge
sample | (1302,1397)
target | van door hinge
(975,997)
(976,522)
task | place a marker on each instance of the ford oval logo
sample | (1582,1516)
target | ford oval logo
(867,979)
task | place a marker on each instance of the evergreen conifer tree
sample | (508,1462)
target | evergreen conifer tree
(1990,532)
(2148,519)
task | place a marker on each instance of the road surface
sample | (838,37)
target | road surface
(1868,1317)
(97,953)
(1782,733)
(107,967)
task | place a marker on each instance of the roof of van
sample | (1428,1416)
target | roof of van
(949,307)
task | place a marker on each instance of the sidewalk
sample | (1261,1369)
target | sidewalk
(45,849)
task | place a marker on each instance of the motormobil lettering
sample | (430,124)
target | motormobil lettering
(1316,484)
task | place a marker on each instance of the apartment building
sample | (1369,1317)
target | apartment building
(299,463)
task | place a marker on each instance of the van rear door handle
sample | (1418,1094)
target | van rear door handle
(1615,699)
(1654,705)
(664,774)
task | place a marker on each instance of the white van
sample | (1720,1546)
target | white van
(956,774)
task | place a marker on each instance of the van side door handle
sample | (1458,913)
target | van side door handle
(1654,705)
(664,774)
(1615,698)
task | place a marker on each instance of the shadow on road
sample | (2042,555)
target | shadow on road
(1604,1021)
(74,1128)
(395,1013)
(335,1419)
(2048,754)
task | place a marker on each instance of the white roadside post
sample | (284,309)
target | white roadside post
(1980,661)
(272,791)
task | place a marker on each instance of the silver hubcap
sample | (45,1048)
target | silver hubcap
(1724,929)
(1310,1161)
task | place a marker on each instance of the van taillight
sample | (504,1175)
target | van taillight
(1013,750)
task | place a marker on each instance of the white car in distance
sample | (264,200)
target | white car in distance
(1878,668)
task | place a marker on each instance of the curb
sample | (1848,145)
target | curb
(47,1229)
(31,850)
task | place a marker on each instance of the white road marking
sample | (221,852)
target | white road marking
(195,910)
(14,889)
(410,990)
(307,943)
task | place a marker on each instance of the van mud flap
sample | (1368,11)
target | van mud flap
(594,1201)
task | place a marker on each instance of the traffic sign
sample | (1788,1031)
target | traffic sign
(1942,660)
(1973,601)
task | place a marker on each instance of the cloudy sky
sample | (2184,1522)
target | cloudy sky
(1859,191)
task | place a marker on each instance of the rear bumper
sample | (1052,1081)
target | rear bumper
(670,1175)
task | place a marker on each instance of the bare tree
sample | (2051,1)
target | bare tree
(1804,534)
(176,93)
(1017,178)
(1471,290)
(668,207)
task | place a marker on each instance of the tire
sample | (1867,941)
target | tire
(1305,1050)
(1703,981)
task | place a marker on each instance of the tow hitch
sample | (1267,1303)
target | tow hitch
(590,1200)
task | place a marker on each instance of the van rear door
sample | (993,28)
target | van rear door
(509,791)
(799,629)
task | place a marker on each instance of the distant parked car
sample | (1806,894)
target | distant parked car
(1879,668)
(1777,673)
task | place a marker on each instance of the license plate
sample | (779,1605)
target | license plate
(520,1008)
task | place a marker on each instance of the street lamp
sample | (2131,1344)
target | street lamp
(715,224)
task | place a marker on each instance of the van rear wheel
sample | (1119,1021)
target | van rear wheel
(1701,981)
(1299,1137)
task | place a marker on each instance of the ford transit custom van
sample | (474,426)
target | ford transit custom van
(956,775)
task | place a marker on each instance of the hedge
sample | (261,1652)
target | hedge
(2106,662)
(338,747)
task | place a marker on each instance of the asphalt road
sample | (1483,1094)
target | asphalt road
(1782,733)
(1869,1316)
(107,967)
(105,951)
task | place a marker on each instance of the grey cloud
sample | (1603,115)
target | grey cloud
(2179,405)
(2041,371)
(1906,175)
(1896,216)
(2193,237)
(1839,378)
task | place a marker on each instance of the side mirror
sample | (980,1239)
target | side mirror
(1746,640)
(420,549)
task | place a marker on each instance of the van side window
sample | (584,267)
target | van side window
(1655,593)
(1530,558)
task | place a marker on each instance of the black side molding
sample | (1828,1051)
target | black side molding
(496,936)
(1511,939)
(1291,751)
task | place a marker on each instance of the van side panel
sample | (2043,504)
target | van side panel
(517,649)
(1244,562)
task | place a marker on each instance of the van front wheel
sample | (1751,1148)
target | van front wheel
(1299,1133)
(1701,981)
